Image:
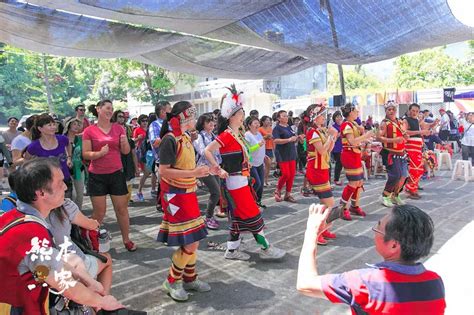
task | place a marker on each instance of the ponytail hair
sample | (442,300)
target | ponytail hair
(222,124)
(93,108)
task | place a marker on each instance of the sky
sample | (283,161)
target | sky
(383,69)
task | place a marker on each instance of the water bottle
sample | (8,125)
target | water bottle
(104,240)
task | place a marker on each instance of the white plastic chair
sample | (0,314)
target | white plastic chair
(463,170)
(455,146)
(445,160)
(378,165)
(366,177)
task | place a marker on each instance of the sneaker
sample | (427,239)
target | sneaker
(221,214)
(211,223)
(140,197)
(328,234)
(271,253)
(357,211)
(322,241)
(176,290)
(236,255)
(397,200)
(387,201)
(346,215)
(197,285)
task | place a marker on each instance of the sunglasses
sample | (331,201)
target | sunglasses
(144,120)
(81,109)
(120,116)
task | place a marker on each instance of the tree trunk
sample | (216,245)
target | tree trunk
(325,4)
(146,72)
(47,85)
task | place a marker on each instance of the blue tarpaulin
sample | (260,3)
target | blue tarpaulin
(231,38)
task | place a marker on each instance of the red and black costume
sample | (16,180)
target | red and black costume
(351,160)
(414,148)
(394,157)
(317,170)
(244,214)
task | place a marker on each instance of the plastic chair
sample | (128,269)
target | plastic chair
(366,177)
(445,160)
(378,165)
(455,146)
(463,170)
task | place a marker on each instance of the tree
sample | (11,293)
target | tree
(355,78)
(432,68)
(144,82)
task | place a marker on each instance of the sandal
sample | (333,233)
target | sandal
(290,198)
(277,195)
(130,246)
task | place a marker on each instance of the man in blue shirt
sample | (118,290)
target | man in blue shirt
(161,109)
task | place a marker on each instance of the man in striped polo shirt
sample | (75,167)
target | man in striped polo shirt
(398,285)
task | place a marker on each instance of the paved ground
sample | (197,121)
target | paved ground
(269,287)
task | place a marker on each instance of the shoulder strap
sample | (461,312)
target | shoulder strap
(468,128)
(11,199)
(21,220)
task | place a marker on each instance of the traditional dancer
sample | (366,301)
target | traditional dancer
(415,130)
(182,223)
(393,137)
(320,141)
(244,214)
(351,161)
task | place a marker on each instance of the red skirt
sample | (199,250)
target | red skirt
(182,222)
(244,215)
(352,163)
(319,180)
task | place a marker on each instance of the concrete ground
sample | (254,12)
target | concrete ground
(257,287)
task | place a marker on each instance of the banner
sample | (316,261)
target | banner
(448,94)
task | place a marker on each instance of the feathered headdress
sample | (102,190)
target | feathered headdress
(232,103)
(390,104)
(319,110)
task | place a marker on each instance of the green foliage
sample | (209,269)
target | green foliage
(432,68)
(355,79)
(76,80)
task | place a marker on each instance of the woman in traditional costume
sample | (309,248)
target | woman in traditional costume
(182,223)
(244,214)
(351,160)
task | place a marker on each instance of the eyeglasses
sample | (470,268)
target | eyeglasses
(143,120)
(376,230)
(120,116)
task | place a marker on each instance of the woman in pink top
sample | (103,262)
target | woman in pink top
(102,145)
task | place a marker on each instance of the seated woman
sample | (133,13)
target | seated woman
(86,266)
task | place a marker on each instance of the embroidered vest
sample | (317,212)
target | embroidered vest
(185,160)
(394,130)
(352,127)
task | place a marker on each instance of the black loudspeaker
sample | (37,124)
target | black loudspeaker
(338,100)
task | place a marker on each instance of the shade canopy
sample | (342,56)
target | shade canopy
(232,38)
